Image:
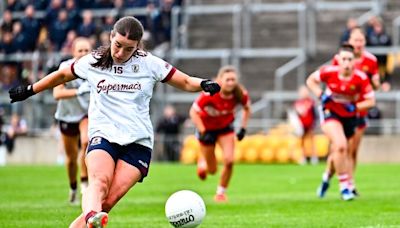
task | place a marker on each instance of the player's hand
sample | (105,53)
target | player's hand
(210,86)
(20,93)
(325,98)
(240,135)
(350,107)
(82,89)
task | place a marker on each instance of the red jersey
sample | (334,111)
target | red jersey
(305,110)
(344,90)
(367,63)
(217,112)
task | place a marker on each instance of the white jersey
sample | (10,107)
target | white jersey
(70,110)
(120,97)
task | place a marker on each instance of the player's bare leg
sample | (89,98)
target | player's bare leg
(71,163)
(83,128)
(207,162)
(125,177)
(227,143)
(101,172)
(355,144)
(334,130)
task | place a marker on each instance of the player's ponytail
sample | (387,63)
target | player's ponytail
(126,26)
(239,89)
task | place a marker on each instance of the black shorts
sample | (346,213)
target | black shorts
(70,129)
(212,135)
(362,122)
(349,123)
(134,154)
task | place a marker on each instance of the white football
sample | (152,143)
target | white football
(185,208)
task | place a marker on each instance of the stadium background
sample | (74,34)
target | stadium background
(275,44)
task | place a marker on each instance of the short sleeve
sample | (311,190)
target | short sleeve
(325,72)
(65,64)
(161,69)
(366,89)
(201,102)
(81,66)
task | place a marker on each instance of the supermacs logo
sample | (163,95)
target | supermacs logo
(104,87)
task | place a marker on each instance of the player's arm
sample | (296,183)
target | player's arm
(246,112)
(376,81)
(314,83)
(54,79)
(51,80)
(366,104)
(195,116)
(61,92)
(185,82)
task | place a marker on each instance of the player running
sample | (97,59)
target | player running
(340,104)
(368,63)
(122,79)
(213,117)
(73,120)
(305,109)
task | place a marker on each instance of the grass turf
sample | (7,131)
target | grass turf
(259,196)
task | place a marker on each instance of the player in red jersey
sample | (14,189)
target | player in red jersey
(305,110)
(213,117)
(367,63)
(340,103)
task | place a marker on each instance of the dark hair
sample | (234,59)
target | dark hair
(346,47)
(129,27)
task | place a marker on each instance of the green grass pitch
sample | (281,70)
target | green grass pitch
(259,196)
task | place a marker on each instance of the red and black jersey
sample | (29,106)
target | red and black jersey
(344,90)
(217,112)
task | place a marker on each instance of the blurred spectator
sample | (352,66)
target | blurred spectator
(378,37)
(351,23)
(30,27)
(86,4)
(108,23)
(161,20)
(67,46)
(103,4)
(104,39)
(14,5)
(8,77)
(87,28)
(370,25)
(136,3)
(20,38)
(7,23)
(59,29)
(52,11)
(40,4)
(17,127)
(170,126)
(74,17)
(6,43)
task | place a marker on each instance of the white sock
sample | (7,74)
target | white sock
(84,185)
(221,190)
(326,177)
(343,181)
(351,184)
